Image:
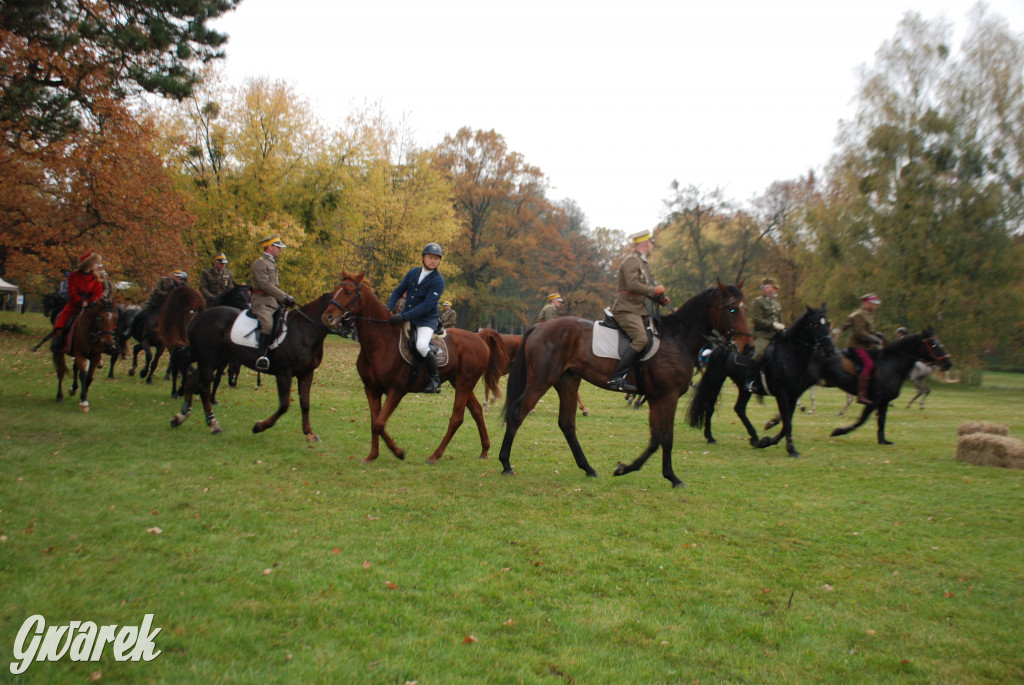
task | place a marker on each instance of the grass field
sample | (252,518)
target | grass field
(265,559)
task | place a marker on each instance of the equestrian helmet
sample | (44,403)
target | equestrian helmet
(434,249)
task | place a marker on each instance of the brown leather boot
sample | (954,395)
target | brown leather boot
(862,389)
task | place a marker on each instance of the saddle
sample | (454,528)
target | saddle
(243,330)
(610,341)
(406,347)
(852,364)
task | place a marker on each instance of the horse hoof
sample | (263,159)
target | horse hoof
(883,441)
(620,470)
(432,461)
(312,437)
(837,432)
(712,441)
(483,455)
(84,406)
(177,420)
(215,428)
(257,427)
(678,484)
(400,454)
(795,455)
(367,459)
(508,472)
(591,474)
(586,413)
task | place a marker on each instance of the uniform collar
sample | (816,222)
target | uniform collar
(270,257)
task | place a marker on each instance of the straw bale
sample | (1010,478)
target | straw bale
(986,449)
(982,427)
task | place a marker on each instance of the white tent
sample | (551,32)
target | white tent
(6,287)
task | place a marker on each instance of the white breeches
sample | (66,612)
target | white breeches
(423,334)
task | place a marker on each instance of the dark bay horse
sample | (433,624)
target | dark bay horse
(180,307)
(794,366)
(558,353)
(298,356)
(892,367)
(384,371)
(512,344)
(92,335)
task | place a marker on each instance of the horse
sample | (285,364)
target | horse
(143,330)
(789,369)
(122,335)
(384,371)
(298,356)
(892,367)
(178,310)
(558,353)
(512,343)
(92,335)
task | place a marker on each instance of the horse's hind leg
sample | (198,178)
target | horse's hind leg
(458,415)
(863,417)
(284,389)
(61,368)
(883,409)
(849,400)
(477,412)
(568,395)
(305,383)
(188,386)
(529,401)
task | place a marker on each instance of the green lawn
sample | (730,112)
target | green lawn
(267,559)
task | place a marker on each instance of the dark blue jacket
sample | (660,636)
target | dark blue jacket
(420,298)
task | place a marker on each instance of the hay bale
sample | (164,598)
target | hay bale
(986,449)
(982,427)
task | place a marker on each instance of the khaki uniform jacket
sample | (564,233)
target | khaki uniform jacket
(448,317)
(267,297)
(547,312)
(214,282)
(862,330)
(164,285)
(636,284)
(765,312)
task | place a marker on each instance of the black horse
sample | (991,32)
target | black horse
(125,316)
(792,364)
(238,297)
(298,356)
(893,364)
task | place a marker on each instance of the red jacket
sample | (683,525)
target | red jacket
(82,287)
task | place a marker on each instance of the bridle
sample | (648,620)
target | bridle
(931,343)
(97,335)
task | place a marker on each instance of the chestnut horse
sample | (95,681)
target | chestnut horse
(558,353)
(384,371)
(180,307)
(92,335)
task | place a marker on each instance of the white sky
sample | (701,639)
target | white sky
(611,100)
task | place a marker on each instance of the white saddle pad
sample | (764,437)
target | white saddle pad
(243,331)
(606,343)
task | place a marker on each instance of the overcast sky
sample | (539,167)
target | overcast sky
(611,100)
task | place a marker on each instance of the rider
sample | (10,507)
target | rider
(84,286)
(267,297)
(550,310)
(422,288)
(216,280)
(864,336)
(448,316)
(766,313)
(164,285)
(637,293)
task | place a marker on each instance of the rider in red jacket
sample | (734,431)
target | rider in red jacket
(84,286)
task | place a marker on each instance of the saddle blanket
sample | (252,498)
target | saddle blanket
(606,342)
(437,344)
(243,331)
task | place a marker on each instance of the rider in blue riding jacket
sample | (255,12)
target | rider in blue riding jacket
(422,288)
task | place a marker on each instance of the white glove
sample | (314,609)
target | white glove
(778,326)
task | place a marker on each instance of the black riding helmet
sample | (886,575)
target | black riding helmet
(434,249)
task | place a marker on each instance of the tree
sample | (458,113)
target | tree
(60,55)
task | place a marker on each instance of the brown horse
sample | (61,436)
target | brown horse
(558,353)
(92,334)
(512,343)
(385,372)
(180,307)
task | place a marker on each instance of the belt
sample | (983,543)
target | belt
(260,292)
(632,294)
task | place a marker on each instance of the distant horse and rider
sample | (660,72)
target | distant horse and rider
(561,354)
(92,333)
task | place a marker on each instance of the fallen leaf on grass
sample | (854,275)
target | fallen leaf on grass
(336,550)
(155,530)
(469,639)
(389,585)
(367,564)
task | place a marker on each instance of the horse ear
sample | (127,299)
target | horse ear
(359,278)
(824,307)
(740,284)
(721,286)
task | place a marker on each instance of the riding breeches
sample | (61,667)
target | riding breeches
(633,325)
(866,364)
(423,335)
(263,309)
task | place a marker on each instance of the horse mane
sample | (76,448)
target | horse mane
(694,309)
(182,303)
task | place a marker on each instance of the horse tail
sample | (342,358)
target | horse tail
(498,360)
(516,387)
(181,305)
(702,405)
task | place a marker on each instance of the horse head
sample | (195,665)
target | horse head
(814,330)
(728,314)
(346,301)
(102,325)
(932,352)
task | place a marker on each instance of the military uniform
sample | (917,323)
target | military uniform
(214,282)
(164,285)
(547,313)
(448,317)
(862,330)
(267,297)
(765,312)
(636,286)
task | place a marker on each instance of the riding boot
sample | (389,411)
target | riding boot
(263,341)
(430,361)
(862,389)
(58,340)
(618,379)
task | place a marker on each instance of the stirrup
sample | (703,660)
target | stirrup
(262,364)
(620,384)
(433,385)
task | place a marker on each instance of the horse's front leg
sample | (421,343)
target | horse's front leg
(379,416)
(860,421)
(85,367)
(305,383)
(284,389)
(188,387)
(741,411)
(568,400)
(477,412)
(787,408)
(662,414)
(458,415)
(61,368)
(883,409)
